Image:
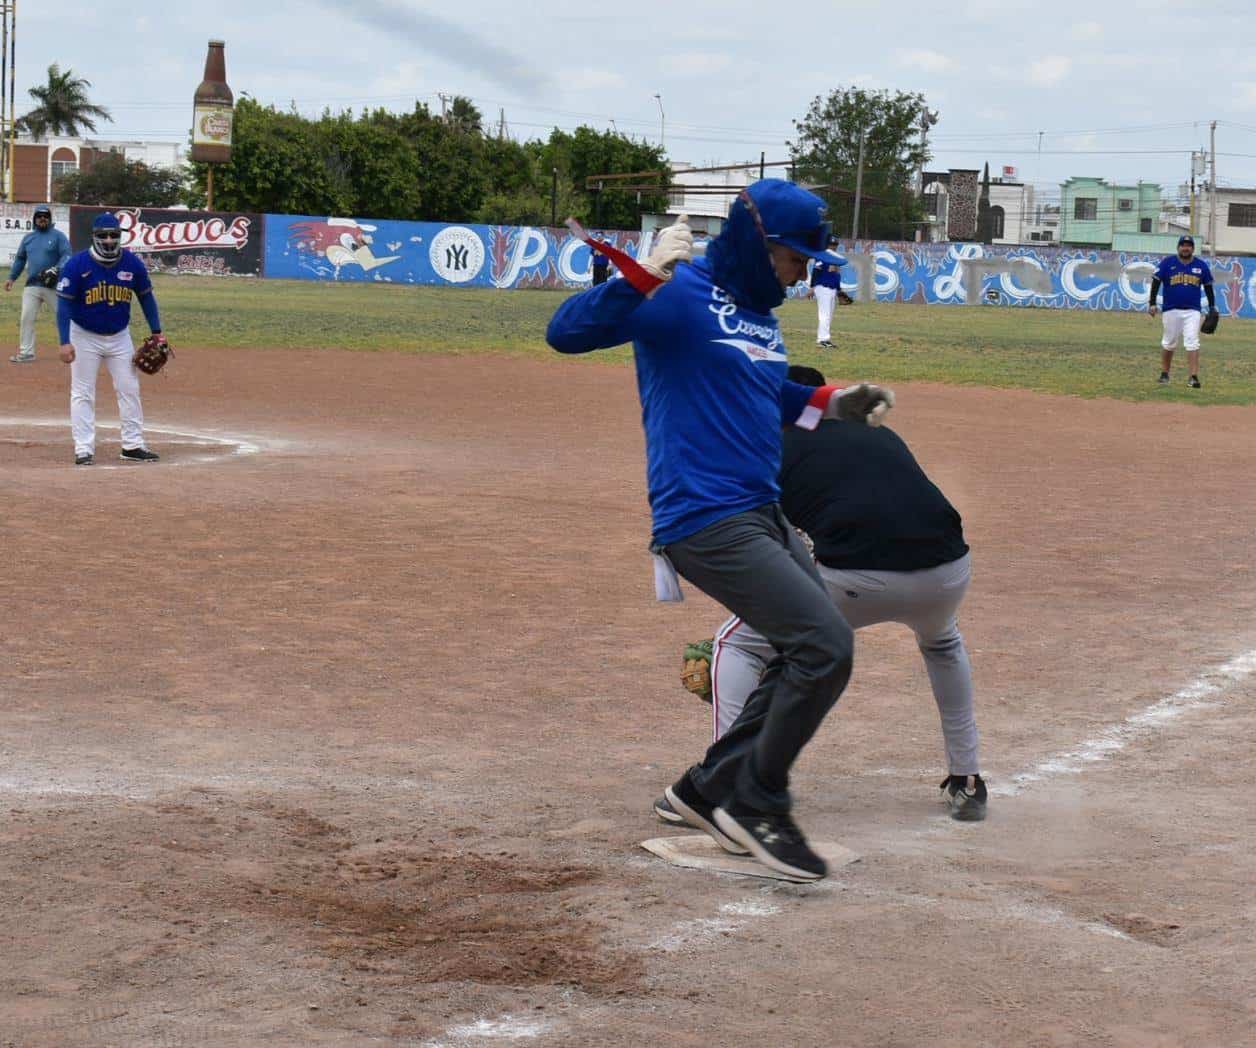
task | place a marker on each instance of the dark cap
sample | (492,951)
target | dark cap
(1186,238)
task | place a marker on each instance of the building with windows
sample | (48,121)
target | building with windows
(1093,211)
(1236,220)
(950,200)
(38,164)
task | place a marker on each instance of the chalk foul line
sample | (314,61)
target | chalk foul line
(1201,693)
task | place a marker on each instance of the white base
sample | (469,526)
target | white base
(700,852)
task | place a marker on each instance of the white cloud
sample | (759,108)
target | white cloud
(1049,71)
(1087,31)
(593,79)
(695,63)
(1245,95)
(922,58)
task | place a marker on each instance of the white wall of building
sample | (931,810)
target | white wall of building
(1231,239)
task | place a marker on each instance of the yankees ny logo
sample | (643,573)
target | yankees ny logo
(456,257)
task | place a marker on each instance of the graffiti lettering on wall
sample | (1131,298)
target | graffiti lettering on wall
(1060,278)
(355,249)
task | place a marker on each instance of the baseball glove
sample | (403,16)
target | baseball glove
(1210,322)
(48,277)
(695,674)
(152,354)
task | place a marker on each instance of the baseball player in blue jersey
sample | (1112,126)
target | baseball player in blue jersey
(94,316)
(826,281)
(711,377)
(42,253)
(1182,276)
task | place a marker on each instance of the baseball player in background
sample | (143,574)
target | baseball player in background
(890,548)
(826,282)
(42,253)
(711,377)
(93,317)
(1182,276)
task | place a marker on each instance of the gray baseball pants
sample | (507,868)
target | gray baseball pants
(756,566)
(925,601)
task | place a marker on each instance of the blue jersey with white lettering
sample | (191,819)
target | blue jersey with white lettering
(1183,282)
(826,274)
(711,377)
(99,296)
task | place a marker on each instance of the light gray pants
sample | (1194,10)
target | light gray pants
(32,299)
(926,601)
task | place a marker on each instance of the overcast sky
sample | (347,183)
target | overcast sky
(1120,91)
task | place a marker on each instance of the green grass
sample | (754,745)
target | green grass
(1089,354)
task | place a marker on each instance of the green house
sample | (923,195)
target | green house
(1093,212)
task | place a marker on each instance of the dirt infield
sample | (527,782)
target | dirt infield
(340,726)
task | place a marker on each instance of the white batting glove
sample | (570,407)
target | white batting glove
(861,403)
(673,244)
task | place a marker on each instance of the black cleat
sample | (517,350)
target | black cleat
(1164,378)
(1193,382)
(966,796)
(85,460)
(693,809)
(775,840)
(139,455)
(666,813)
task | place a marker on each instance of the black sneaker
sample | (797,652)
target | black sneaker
(1164,378)
(84,460)
(824,344)
(694,811)
(666,813)
(1193,382)
(775,840)
(965,795)
(139,455)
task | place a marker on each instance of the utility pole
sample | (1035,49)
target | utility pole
(662,123)
(1194,172)
(762,159)
(501,125)
(554,199)
(854,226)
(1212,210)
(8,97)
(444,99)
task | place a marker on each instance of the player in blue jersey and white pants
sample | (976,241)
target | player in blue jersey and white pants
(711,377)
(94,316)
(1183,276)
(826,282)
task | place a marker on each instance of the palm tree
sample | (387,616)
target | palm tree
(61,106)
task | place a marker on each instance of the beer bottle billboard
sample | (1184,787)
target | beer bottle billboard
(212,110)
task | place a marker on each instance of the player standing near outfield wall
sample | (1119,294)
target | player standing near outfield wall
(711,377)
(42,254)
(826,282)
(1182,275)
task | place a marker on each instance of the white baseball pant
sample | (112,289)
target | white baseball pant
(116,351)
(1181,324)
(927,601)
(32,298)
(826,298)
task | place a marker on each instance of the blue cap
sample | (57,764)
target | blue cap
(1186,238)
(795,217)
(108,220)
(42,209)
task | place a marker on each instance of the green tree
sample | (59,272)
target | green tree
(585,152)
(112,179)
(826,154)
(61,106)
(464,116)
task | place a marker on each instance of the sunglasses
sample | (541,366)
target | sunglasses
(814,239)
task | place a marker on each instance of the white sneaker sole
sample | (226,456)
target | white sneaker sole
(744,837)
(692,818)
